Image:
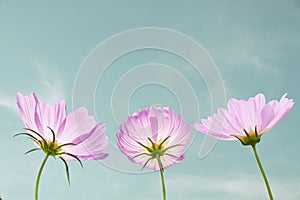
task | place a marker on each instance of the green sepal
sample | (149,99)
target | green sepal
(31,150)
(28,129)
(148,149)
(141,154)
(73,156)
(160,145)
(166,149)
(67,169)
(146,163)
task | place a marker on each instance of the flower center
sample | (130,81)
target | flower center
(250,138)
(50,147)
(155,151)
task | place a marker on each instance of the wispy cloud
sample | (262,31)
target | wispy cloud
(8,102)
(237,186)
(53,87)
(244,58)
(50,88)
(245,53)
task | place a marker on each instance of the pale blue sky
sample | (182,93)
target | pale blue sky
(254,44)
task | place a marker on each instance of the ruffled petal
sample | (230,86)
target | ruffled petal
(41,116)
(280,110)
(158,126)
(50,116)
(222,125)
(89,146)
(27,107)
(267,115)
(246,113)
(245,116)
(77,123)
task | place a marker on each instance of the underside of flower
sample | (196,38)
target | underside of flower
(51,148)
(250,138)
(156,151)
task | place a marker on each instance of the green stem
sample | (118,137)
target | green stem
(161,170)
(163,183)
(39,176)
(262,172)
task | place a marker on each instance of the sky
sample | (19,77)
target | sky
(117,57)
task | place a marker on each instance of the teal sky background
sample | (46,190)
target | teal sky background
(254,44)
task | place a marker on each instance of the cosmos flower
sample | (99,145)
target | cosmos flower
(155,138)
(76,136)
(246,121)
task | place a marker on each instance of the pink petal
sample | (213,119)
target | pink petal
(280,109)
(267,114)
(156,124)
(154,127)
(199,127)
(27,107)
(221,126)
(134,128)
(77,123)
(180,134)
(51,116)
(78,128)
(89,146)
(39,116)
(128,144)
(245,115)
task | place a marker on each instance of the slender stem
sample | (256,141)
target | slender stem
(161,170)
(39,176)
(262,172)
(163,183)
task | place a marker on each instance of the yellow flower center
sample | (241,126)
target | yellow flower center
(50,147)
(250,138)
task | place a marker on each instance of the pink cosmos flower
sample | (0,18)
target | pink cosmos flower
(154,135)
(76,136)
(155,138)
(78,132)
(244,120)
(247,121)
